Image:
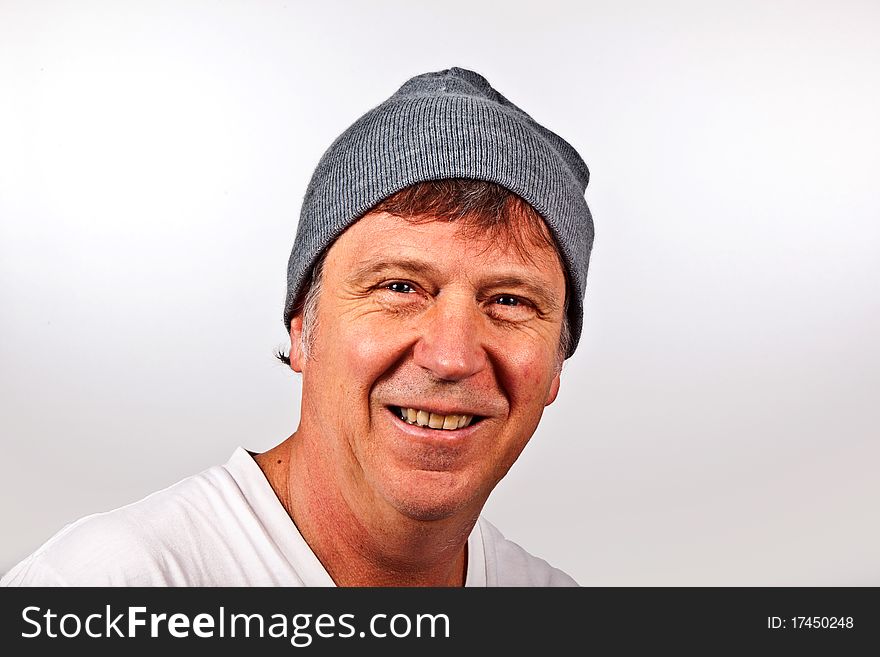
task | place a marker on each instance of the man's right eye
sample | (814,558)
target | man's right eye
(403,288)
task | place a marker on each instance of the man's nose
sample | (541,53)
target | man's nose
(450,344)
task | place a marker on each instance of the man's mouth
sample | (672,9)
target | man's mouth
(424,418)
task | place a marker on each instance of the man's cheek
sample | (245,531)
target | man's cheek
(527,379)
(372,349)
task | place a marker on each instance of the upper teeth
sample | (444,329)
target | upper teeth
(433,420)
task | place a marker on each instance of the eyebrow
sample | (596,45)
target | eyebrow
(380,265)
(534,287)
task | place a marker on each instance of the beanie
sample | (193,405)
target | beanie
(447,124)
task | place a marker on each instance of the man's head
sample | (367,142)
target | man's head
(434,288)
(437,126)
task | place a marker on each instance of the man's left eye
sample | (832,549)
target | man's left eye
(403,288)
(507,300)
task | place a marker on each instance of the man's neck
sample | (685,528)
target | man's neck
(374,546)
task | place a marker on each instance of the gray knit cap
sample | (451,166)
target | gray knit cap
(448,124)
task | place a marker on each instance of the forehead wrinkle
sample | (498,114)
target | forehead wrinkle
(381,264)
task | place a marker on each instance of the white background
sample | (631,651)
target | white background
(718,424)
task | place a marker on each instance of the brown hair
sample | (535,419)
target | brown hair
(481,208)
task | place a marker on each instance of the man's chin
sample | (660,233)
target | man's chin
(431,511)
(424,502)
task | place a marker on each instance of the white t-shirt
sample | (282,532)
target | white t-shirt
(226,527)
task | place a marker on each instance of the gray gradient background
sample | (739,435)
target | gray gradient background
(718,424)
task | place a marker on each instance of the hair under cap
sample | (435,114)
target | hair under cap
(447,124)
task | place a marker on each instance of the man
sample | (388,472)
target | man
(434,288)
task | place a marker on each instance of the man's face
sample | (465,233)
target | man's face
(414,320)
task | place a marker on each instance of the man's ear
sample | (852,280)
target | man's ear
(554,390)
(297,357)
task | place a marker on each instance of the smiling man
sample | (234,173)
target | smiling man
(435,287)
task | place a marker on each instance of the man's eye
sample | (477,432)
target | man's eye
(507,300)
(403,288)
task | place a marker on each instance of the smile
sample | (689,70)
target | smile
(432,420)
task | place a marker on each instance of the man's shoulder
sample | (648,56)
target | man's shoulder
(144,543)
(508,564)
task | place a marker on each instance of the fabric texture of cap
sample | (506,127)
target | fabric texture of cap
(447,124)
